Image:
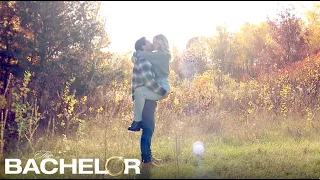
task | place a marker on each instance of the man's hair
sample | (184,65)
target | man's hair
(139,43)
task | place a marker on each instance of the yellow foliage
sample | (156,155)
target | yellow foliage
(176,101)
(84,99)
(99,110)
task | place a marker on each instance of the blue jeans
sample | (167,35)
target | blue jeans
(147,125)
(141,94)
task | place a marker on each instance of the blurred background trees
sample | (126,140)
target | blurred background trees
(54,76)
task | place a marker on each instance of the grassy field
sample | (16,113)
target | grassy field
(267,149)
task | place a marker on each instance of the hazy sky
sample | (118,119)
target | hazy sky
(179,21)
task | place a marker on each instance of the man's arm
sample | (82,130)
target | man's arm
(153,57)
(145,68)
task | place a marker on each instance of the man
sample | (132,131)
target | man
(141,77)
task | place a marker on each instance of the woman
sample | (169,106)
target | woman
(160,61)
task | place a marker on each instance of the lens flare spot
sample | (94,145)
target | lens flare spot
(198,148)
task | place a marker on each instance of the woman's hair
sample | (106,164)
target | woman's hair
(163,41)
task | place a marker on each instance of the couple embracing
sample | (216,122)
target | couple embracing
(150,83)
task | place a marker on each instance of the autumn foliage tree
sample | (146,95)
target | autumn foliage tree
(313,28)
(287,32)
(194,57)
(59,44)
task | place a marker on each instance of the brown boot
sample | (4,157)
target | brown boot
(145,171)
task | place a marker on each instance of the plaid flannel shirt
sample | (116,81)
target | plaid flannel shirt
(143,75)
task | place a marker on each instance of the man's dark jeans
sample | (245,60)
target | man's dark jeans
(148,124)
